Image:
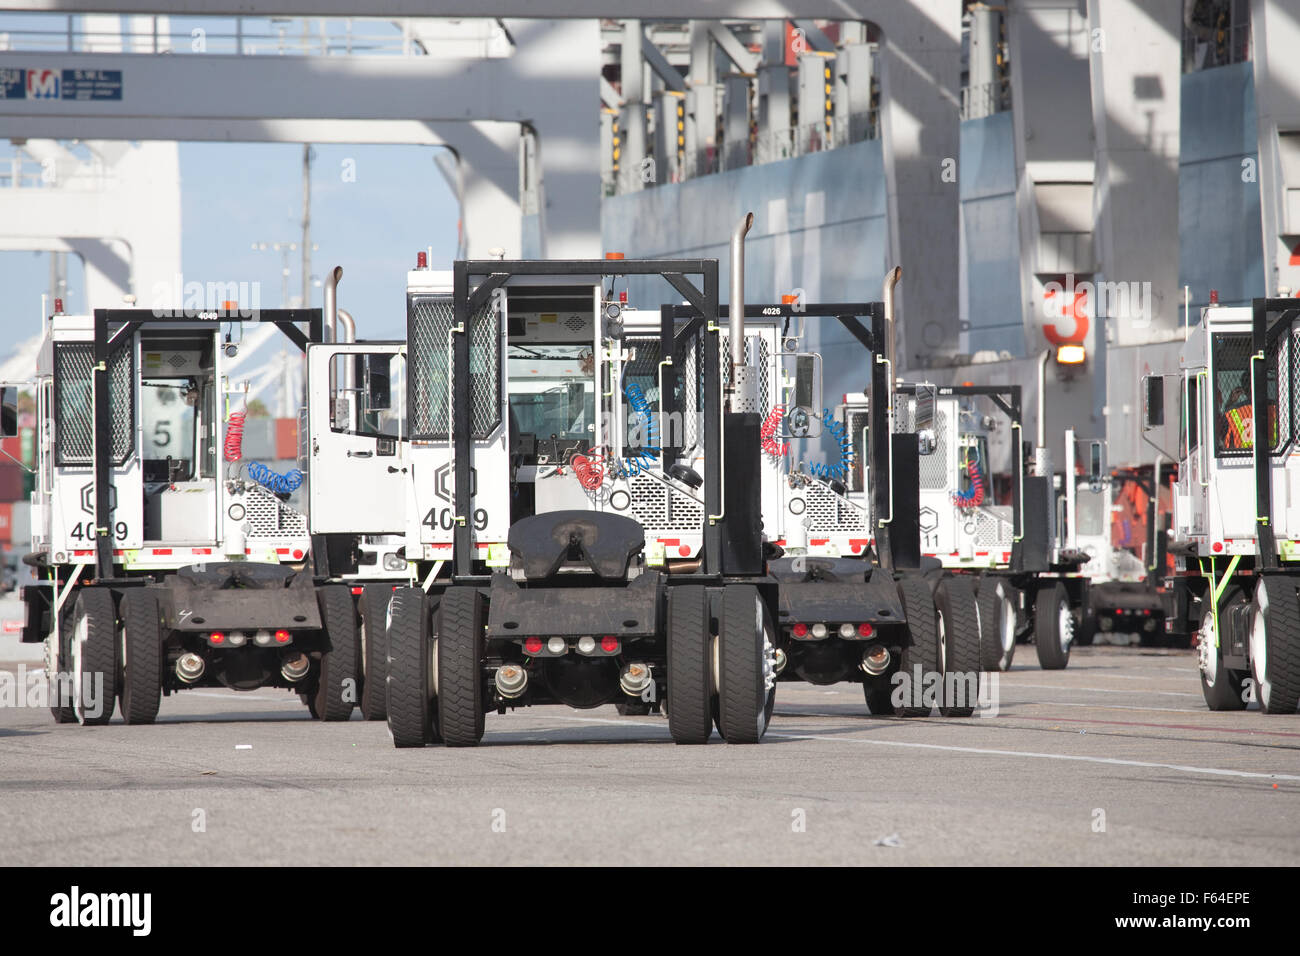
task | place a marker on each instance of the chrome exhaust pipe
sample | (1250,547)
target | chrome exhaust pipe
(332,303)
(635,679)
(348,326)
(190,667)
(744,383)
(347,333)
(294,666)
(892,279)
(875,660)
(511,681)
(1042,461)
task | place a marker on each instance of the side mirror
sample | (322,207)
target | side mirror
(1153,401)
(923,418)
(8,411)
(807,390)
(378,383)
(1094,461)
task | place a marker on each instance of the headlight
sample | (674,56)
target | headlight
(394,562)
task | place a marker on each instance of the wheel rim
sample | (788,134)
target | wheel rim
(78,681)
(1259,646)
(52,654)
(943,642)
(769,664)
(1007,625)
(1064,626)
(1209,657)
(361,639)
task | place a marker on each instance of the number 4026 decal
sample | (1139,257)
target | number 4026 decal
(85,531)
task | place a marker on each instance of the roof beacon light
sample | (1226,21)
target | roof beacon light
(1071,353)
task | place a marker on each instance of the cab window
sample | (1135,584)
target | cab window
(168,410)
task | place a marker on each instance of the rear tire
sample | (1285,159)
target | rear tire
(336,690)
(1222,688)
(1053,627)
(409,698)
(58,667)
(1275,644)
(746,668)
(959,630)
(878,692)
(460,667)
(94,655)
(922,652)
(690,720)
(997,610)
(373,633)
(141,649)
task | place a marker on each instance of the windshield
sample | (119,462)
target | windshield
(1233,410)
(552,390)
(1090,507)
(167,410)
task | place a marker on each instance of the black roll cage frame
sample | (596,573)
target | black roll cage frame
(116,325)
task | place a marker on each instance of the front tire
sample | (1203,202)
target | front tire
(1053,627)
(460,667)
(94,655)
(1275,644)
(690,720)
(1222,688)
(959,646)
(373,633)
(746,667)
(919,661)
(141,686)
(336,690)
(409,698)
(997,612)
(58,667)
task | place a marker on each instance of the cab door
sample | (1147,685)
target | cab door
(359,450)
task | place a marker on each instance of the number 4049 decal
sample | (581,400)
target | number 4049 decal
(85,531)
(445,519)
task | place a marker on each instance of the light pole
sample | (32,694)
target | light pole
(284,248)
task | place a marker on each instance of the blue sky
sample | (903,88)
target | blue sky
(235,194)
